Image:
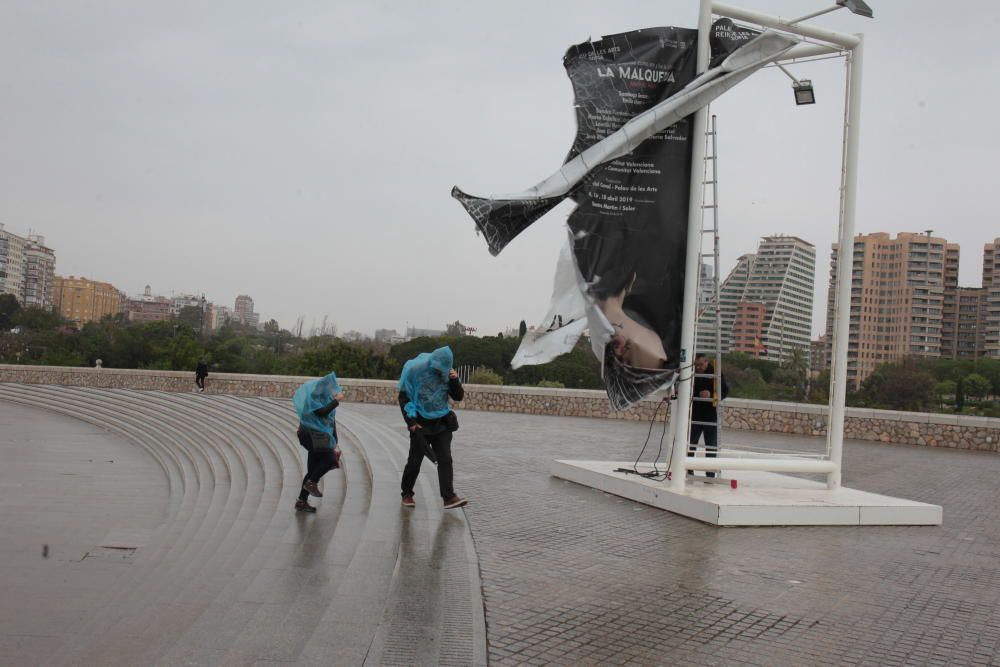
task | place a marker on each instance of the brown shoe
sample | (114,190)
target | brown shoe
(455,501)
(304,506)
(313,490)
(408,500)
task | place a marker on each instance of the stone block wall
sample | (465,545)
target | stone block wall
(913,428)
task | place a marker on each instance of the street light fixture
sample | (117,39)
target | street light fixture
(803,90)
(859,7)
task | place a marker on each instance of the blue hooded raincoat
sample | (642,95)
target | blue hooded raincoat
(425,381)
(312,396)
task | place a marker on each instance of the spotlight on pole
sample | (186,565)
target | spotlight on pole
(859,7)
(803,90)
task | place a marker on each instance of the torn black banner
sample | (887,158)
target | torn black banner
(629,229)
(629,173)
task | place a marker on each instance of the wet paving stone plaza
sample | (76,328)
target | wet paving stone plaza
(156,528)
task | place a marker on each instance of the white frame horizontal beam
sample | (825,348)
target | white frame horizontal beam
(785,25)
(809,51)
(770,465)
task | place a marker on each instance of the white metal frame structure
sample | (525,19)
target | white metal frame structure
(762,495)
(819,42)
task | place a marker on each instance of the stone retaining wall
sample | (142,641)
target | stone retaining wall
(914,428)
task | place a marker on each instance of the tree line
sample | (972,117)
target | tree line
(34,336)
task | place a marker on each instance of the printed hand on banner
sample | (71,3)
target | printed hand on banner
(635,345)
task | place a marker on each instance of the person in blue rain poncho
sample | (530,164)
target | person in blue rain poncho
(426,384)
(316,403)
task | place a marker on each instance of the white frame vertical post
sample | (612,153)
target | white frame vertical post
(845,266)
(682,418)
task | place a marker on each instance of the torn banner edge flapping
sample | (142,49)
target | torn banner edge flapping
(572,312)
(503,217)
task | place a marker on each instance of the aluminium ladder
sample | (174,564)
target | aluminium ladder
(710,225)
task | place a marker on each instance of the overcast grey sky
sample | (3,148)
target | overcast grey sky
(303,152)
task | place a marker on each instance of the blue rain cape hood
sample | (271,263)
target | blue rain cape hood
(312,396)
(425,381)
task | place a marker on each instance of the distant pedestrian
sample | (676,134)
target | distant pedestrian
(425,385)
(704,412)
(316,403)
(200,373)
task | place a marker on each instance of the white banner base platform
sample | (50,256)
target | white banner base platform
(759,499)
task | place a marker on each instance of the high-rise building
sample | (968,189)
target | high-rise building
(12,263)
(39,273)
(818,361)
(748,328)
(730,295)
(898,290)
(83,300)
(243,311)
(770,295)
(991,299)
(963,327)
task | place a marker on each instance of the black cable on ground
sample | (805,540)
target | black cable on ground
(655,473)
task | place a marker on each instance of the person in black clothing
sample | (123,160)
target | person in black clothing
(426,384)
(200,373)
(316,404)
(704,413)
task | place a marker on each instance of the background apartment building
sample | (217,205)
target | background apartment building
(179,302)
(218,316)
(12,263)
(963,323)
(730,294)
(27,269)
(148,307)
(39,274)
(898,290)
(990,303)
(243,311)
(766,301)
(82,300)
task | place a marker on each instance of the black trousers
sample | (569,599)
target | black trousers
(199,382)
(440,443)
(318,463)
(711,442)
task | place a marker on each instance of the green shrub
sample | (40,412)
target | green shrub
(485,376)
(551,384)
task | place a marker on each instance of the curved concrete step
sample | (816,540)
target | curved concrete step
(294,582)
(235,576)
(241,532)
(152,585)
(434,611)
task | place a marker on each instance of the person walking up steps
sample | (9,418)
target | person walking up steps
(425,385)
(316,403)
